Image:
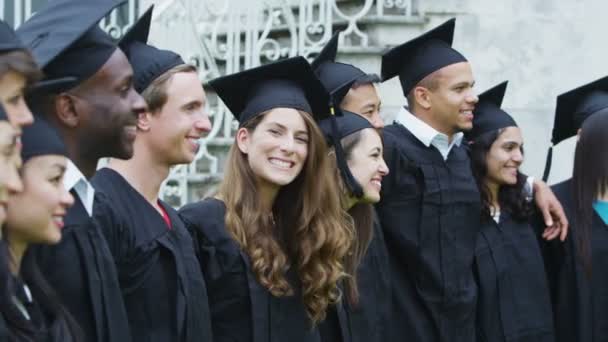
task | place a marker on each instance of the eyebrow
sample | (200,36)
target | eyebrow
(193,102)
(60,167)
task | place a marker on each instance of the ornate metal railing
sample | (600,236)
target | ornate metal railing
(225,36)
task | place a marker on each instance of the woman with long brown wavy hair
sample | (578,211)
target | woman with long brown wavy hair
(273,240)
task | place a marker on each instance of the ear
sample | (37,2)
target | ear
(144,121)
(243,138)
(423,97)
(66,110)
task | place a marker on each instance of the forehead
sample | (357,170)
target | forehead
(185,85)
(114,70)
(12,80)
(455,73)
(370,138)
(365,93)
(288,117)
(510,134)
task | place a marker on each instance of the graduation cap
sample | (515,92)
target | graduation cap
(8,39)
(147,61)
(572,109)
(289,83)
(488,116)
(336,77)
(65,39)
(414,60)
(40,139)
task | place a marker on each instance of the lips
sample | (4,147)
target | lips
(58,221)
(468,113)
(377,182)
(281,163)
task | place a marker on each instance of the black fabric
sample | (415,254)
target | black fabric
(429,212)
(148,62)
(487,115)
(242,310)
(421,56)
(580,304)
(336,77)
(160,277)
(8,39)
(347,124)
(514,303)
(289,83)
(65,40)
(39,139)
(370,319)
(82,272)
(574,106)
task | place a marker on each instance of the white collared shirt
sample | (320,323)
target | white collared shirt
(74,179)
(427,134)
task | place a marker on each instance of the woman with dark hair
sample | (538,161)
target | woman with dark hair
(358,163)
(513,299)
(577,267)
(35,215)
(18,71)
(273,240)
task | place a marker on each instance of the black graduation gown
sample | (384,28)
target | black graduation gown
(81,271)
(242,310)
(160,277)
(429,212)
(367,321)
(580,304)
(514,304)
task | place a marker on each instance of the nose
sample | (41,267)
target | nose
(67,200)
(13,181)
(383,169)
(138,104)
(25,116)
(472,97)
(203,123)
(287,144)
(518,156)
(377,121)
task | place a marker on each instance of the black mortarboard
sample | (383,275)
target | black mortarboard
(289,83)
(8,39)
(147,61)
(347,124)
(572,109)
(40,139)
(488,116)
(65,39)
(336,77)
(421,56)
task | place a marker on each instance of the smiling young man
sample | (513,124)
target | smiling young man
(159,274)
(430,207)
(95,115)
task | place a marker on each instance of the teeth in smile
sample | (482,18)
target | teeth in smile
(377,183)
(280,163)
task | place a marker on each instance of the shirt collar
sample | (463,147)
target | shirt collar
(74,179)
(423,131)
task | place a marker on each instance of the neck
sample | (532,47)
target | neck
(142,163)
(493,189)
(85,162)
(350,202)
(429,118)
(16,249)
(267,194)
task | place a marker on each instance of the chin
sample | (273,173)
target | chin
(372,198)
